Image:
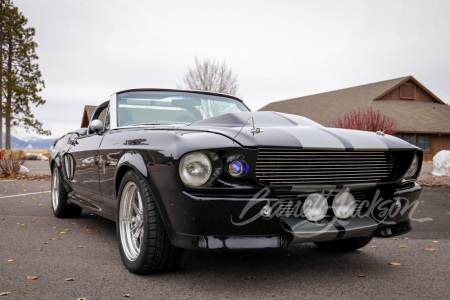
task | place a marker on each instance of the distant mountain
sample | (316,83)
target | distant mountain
(35,142)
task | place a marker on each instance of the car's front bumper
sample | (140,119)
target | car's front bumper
(204,221)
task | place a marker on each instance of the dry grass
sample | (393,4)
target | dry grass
(44,152)
(12,154)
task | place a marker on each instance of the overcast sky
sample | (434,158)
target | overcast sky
(279,49)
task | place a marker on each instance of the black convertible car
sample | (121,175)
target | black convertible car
(198,170)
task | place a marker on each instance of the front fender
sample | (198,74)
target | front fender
(58,148)
(133,160)
(140,162)
(56,160)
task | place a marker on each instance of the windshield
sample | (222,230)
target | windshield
(162,107)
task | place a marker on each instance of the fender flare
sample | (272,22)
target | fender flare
(133,160)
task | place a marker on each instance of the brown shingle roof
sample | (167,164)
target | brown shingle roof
(411,116)
(417,117)
(87,114)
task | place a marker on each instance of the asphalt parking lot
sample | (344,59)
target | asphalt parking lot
(35,243)
(38,167)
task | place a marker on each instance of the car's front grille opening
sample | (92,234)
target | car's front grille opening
(281,167)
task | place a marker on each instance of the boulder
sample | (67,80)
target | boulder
(441,163)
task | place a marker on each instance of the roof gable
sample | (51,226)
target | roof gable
(87,115)
(419,92)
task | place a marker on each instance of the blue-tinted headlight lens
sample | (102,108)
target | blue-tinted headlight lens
(238,168)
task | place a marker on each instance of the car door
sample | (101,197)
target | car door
(84,154)
(83,158)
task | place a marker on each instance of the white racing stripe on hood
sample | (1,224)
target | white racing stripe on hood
(313,138)
(361,140)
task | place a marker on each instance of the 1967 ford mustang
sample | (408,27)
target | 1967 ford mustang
(198,170)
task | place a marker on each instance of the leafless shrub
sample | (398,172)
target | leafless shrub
(10,162)
(367,119)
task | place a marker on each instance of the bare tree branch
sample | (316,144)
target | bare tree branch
(211,76)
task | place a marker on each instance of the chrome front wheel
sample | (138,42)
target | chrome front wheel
(131,221)
(143,241)
(55,189)
(60,202)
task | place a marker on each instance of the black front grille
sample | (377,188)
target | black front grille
(281,167)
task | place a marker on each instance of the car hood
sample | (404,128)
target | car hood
(286,130)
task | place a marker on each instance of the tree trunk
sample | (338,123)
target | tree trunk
(9,84)
(1,75)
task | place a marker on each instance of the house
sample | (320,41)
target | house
(87,115)
(423,119)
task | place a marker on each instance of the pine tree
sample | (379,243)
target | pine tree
(3,11)
(21,78)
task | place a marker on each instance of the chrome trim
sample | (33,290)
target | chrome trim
(313,152)
(182,90)
(113,111)
(320,187)
(227,198)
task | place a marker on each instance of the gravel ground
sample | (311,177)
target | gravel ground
(427,179)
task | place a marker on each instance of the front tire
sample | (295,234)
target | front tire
(344,245)
(143,242)
(60,205)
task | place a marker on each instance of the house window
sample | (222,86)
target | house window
(424,142)
(408,91)
(410,138)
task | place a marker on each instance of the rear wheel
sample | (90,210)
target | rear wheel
(143,242)
(60,205)
(344,245)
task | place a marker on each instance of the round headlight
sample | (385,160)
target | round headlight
(344,205)
(412,168)
(195,169)
(315,207)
